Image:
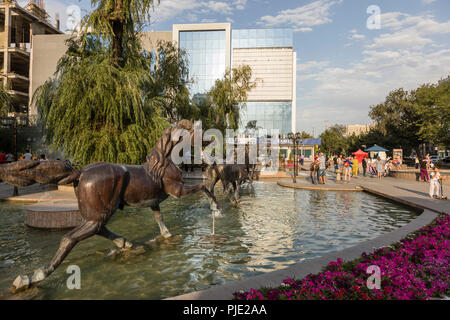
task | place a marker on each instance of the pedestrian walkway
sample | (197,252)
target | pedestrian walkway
(413,193)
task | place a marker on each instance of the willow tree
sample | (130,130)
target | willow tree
(105,102)
(229,94)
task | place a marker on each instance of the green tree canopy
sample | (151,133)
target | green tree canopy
(228,95)
(305,135)
(333,140)
(107,103)
(433,107)
(397,118)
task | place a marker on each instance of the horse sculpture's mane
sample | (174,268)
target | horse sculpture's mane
(159,157)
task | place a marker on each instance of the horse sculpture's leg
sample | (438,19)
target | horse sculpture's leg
(119,241)
(230,191)
(69,240)
(177,189)
(236,191)
(159,219)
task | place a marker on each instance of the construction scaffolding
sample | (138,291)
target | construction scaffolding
(17,27)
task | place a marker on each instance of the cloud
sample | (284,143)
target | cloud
(428,1)
(354,35)
(406,55)
(240,4)
(169,9)
(302,18)
(312,65)
(408,31)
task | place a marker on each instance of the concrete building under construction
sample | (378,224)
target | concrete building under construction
(18,26)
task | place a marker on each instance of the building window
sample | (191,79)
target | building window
(206,57)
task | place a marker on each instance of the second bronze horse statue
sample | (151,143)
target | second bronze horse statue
(102,188)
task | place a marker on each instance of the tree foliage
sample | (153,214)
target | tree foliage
(404,120)
(433,108)
(333,140)
(305,135)
(415,117)
(100,108)
(229,94)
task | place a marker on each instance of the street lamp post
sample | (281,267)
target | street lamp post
(14,121)
(295,137)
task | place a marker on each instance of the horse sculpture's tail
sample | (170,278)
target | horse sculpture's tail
(27,172)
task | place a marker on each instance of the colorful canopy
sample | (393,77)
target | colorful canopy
(376,148)
(360,155)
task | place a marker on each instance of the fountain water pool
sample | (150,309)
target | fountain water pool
(273,227)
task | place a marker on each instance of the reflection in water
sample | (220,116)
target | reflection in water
(273,227)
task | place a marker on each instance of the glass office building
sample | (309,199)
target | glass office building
(212,48)
(206,52)
(268,114)
(261,38)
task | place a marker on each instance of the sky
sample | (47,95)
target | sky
(350,53)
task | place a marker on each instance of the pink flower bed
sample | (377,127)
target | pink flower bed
(417,267)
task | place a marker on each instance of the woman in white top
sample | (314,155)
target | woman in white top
(435,187)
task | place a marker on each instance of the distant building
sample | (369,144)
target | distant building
(357,129)
(444,80)
(18,28)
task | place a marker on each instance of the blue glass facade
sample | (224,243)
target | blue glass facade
(261,38)
(268,115)
(206,52)
(273,114)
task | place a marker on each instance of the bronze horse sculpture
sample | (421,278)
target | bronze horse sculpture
(102,188)
(27,172)
(232,176)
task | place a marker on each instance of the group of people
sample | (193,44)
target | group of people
(429,173)
(351,166)
(425,165)
(347,167)
(8,157)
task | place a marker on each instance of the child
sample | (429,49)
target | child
(435,187)
(348,170)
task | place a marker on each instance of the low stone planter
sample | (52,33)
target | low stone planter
(53,215)
(415,175)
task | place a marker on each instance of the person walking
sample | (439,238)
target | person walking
(379,164)
(416,162)
(435,187)
(423,170)
(322,169)
(364,166)
(355,166)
